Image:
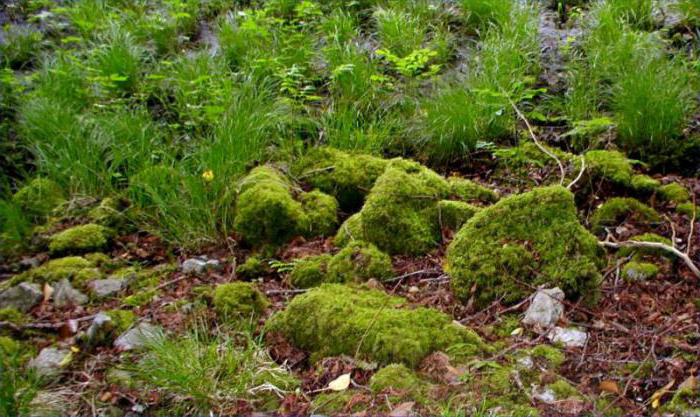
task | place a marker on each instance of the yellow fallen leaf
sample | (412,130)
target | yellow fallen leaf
(656,397)
(75,349)
(609,386)
(341,383)
(517,332)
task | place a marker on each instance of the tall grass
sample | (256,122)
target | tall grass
(118,59)
(482,13)
(18,385)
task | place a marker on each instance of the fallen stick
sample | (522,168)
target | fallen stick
(654,245)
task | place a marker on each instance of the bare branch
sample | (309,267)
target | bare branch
(654,245)
(580,174)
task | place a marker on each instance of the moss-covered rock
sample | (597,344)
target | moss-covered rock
(674,192)
(310,271)
(80,239)
(347,177)
(453,214)
(336,319)
(689,209)
(107,213)
(467,190)
(38,198)
(122,320)
(12,315)
(253,267)
(617,209)
(612,166)
(239,300)
(322,212)
(359,261)
(639,271)
(266,212)
(397,377)
(76,269)
(533,238)
(644,183)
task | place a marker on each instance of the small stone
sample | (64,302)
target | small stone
(33,262)
(545,309)
(65,295)
(526,362)
(413,289)
(545,395)
(136,337)
(22,297)
(199,266)
(107,287)
(99,328)
(50,361)
(569,337)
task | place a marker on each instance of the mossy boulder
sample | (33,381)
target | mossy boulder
(610,165)
(644,183)
(38,198)
(76,269)
(336,319)
(253,267)
(310,271)
(453,214)
(618,209)
(80,239)
(674,192)
(107,213)
(359,261)
(467,190)
(689,209)
(322,213)
(347,177)
(239,300)
(639,271)
(397,377)
(525,241)
(266,211)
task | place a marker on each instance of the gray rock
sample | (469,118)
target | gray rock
(544,394)
(199,266)
(545,309)
(22,297)
(50,361)
(65,295)
(569,337)
(100,329)
(137,336)
(107,287)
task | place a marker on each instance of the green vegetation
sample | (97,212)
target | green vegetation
(80,239)
(239,300)
(618,209)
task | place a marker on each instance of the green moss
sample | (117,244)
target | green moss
(467,190)
(533,238)
(400,214)
(347,177)
(359,261)
(80,239)
(674,192)
(102,260)
(13,316)
(552,356)
(644,183)
(689,209)
(140,298)
(610,165)
(38,198)
(309,272)
(239,300)
(639,253)
(122,320)
(453,214)
(107,214)
(253,267)
(639,271)
(76,269)
(336,403)
(266,212)
(617,209)
(9,346)
(350,230)
(336,319)
(397,377)
(685,402)
(507,323)
(322,212)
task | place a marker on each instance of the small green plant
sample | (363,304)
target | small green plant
(416,63)
(481,13)
(18,385)
(19,45)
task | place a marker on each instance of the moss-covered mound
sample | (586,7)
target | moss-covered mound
(359,261)
(335,319)
(453,214)
(467,190)
(674,192)
(522,241)
(76,269)
(347,177)
(310,272)
(617,209)
(322,213)
(239,300)
(38,198)
(610,165)
(80,239)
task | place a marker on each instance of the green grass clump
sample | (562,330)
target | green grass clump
(211,372)
(239,300)
(335,319)
(618,209)
(80,239)
(18,384)
(690,10)
(38,198)
(533,238)
(481,13)
(20,45)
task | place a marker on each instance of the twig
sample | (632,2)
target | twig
(431,271)
(314,171)
(692,228)
(654,245)
(534,138)
(285,292)
(580,174)
(171,282)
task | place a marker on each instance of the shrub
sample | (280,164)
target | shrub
(525,240)
(239,300)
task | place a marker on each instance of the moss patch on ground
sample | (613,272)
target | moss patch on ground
(336,319)
(524,241)
(80,239)
(239,300)
(38,198)
(76,269)
(617,209)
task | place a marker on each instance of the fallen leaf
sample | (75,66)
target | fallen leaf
(48,291)
(691,383)
(609,386)
(656,397)
(517,332)
(341,383)
(403,409)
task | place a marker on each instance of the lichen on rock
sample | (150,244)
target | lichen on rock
(336,319)
(524,241)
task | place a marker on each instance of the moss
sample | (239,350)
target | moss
(532,238)
(640,253)
(563,390)
(506,325)
(350,230)
(359,261)
(347,177)
(400,215)
(336,403)
(552,356)
(253,267)
(674,192)
(453,214)
(239,300)
(140,298)
(76,269)
(336,319)
(644,183)
(80,239)
(397,377)
(467,190)
(688,209)
(639,271)
(322,212)
(266,212)
(9,346)
(13,316)
(685,402)
(309,272)
(38,198)
(617,209)
(122,320)
(102,260)
(107,214)
(610,165)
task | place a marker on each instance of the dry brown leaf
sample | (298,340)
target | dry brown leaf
(340,384)
(48,292)
(609,386)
